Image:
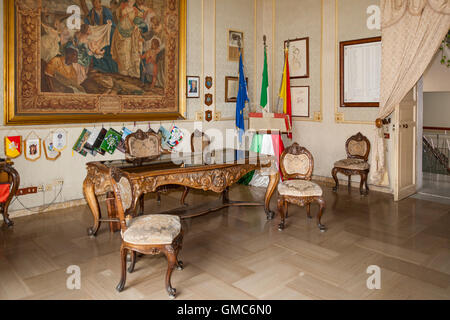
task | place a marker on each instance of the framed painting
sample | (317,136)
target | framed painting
(69,61)
(235,42)
(360,72)
(300,101)
(232,88)
(298,57)
(193,89)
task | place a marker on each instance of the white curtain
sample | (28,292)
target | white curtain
(412,31)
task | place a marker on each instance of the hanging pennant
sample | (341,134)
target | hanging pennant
(89,145)
(121,146)
(111,141)
(176,135)
(59,139)
(79,144)
(32,149)
(49,149)
(13,146)
(99,140)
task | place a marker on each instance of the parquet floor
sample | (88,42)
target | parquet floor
(236,254)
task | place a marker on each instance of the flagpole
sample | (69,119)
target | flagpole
(286,49)
(265,50)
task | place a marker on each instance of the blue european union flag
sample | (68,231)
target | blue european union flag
(242,97)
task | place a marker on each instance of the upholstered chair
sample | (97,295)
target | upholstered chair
(297,165)
(149,234)
(142,146)
(199,142)
(357,148)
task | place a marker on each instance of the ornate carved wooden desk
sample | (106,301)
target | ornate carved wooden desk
(215,171)
(8,175)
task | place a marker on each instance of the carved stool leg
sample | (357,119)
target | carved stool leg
(158,196)
(363,181)
(133,261)
(123,258)
(308,210)
(226,195)
(141,204)
(282,211)
(367,185)
(6,219)
(171,261)
(183,197)
(334,174)
(321,202)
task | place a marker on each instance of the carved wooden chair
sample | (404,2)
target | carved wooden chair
(199,142)
(297,166)
(149,234)
(141,146)
(357,148)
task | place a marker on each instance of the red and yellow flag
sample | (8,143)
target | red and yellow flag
(13,146)
(285,92)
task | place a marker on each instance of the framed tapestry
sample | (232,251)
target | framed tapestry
(87,61)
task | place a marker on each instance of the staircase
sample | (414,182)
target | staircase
(435,159)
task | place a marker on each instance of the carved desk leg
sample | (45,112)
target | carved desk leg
(91,198)
(14,186)
(273,183)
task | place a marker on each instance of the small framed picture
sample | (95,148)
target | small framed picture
(192,87)
(232,88)
(300,101)
(32,148)
(298,57)
(235,41)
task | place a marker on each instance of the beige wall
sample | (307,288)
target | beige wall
(204,24)
(341,20)
(437,76)
(208,23)
(436,109)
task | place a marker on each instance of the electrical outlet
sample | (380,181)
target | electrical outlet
(24,191)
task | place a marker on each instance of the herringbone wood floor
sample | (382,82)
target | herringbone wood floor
(237,254)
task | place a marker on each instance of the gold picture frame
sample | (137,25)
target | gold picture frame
(83,108)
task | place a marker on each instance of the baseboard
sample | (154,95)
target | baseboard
(354,184)
(53,207)
(80,202)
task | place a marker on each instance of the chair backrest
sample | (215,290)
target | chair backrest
(357,147)
(297,163)
(142,145)
(199,141)
(124,195)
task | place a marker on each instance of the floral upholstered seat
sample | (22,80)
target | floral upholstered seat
(297,165)
(352,164)
(357,148)
(299,188)
(150,234)
(153,229)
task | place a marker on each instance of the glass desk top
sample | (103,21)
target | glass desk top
(188,160)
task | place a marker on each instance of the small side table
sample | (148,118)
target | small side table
(9,175)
